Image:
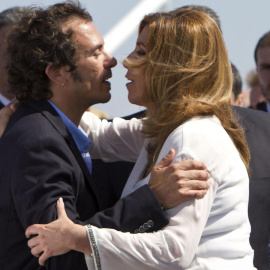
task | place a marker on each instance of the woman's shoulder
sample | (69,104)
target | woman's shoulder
(203,124)
(199,129)
(202,138)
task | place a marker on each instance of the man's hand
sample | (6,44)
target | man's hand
(179,182)
(5,114)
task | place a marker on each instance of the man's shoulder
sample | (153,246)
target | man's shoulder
(256,117)
(31,108)
(34,131)
(34,120)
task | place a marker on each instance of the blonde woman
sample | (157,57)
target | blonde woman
(181,72)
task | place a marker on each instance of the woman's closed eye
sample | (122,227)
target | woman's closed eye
(141,52)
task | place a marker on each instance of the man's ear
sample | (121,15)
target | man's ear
(55,73)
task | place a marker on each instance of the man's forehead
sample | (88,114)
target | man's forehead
(74,23)
(84,31)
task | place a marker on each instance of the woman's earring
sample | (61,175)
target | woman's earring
(63,85)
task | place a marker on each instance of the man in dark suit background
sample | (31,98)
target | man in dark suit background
(262,59)
(8,18)
(257,133)
(258,136)
(256,127)
(59,71)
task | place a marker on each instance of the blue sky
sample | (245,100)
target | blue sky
(243,23)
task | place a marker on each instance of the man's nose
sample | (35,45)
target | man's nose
(110,61)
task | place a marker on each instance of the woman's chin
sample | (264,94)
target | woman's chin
(134,101)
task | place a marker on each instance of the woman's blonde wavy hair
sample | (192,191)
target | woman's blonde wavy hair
(187,73)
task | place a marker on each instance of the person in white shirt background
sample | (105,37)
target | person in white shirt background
(180,71)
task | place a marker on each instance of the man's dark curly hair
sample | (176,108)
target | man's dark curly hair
(35,42)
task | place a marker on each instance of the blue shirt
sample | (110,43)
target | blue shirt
(82,141)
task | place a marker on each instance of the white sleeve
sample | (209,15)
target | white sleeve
(171,248)
(117,140)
